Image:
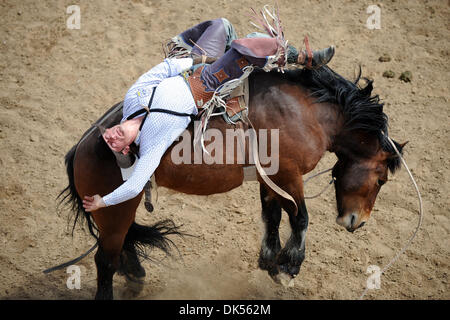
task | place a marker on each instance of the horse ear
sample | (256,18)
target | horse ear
(403,144)
(367,90)
(393,159)
(399,147)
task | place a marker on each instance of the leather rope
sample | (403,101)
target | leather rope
(309,54)
(262,173)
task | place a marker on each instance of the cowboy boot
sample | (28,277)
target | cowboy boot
(315,59)
(208,38)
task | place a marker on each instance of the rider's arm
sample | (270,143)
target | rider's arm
(155,140)
(166,69)
(138,95)
(142,172)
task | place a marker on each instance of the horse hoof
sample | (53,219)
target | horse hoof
(135,284)
(148,206)
(285,280)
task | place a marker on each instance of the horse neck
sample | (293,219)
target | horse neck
(331,120)
(328,118)
(358,143)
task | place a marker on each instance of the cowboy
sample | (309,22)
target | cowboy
(164,87)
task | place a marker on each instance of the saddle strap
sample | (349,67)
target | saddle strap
(148,110)
(143,110)
(180,114)
(263,174)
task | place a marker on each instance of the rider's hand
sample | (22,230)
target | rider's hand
(93,203)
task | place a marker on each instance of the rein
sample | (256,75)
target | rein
(68,263)
(403,249)
(324,189)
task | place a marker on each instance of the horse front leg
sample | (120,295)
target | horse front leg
(270,246)
(292,255)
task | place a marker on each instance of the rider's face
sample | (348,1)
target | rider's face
(118,138)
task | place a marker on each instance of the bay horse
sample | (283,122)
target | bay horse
(314,110)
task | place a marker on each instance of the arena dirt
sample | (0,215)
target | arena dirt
(55,82)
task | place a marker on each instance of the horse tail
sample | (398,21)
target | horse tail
(70,195)
(139,237)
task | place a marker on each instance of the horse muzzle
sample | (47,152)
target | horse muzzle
(350,221)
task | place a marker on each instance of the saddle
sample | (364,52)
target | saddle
(235,103)
(223,84)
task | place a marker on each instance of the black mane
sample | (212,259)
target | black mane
(361,110)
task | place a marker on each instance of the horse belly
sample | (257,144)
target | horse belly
(199,179)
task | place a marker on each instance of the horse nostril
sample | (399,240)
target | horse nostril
(352,221)
(362,224)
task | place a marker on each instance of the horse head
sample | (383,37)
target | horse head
(362,168)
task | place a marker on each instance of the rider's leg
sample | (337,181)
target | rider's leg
(262,52)
(209,38)
(312,60)
(230,33)
(212,38)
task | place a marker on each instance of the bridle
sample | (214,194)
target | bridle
(403,249)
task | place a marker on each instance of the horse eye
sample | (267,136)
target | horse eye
(381,182)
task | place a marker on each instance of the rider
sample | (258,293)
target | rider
(154,134)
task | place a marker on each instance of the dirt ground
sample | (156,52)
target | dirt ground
(55,82)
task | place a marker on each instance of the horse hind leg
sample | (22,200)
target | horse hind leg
(130,266)
(270,246)
(105,273)
(138,239)
(108,258)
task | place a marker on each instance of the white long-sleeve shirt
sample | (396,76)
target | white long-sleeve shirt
(160,130)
